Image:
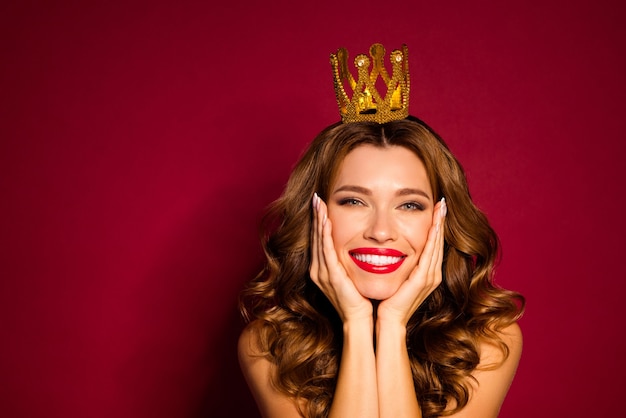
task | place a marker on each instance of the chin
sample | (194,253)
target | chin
(377,290)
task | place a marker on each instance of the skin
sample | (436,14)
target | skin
(380,199)
(372,208)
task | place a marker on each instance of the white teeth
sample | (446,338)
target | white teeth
(377,260)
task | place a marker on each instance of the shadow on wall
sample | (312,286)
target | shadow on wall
(228,395)
(184,359)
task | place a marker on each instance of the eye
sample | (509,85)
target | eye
(411,206)
(350,201)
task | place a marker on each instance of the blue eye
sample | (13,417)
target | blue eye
(412,206)
(350,201)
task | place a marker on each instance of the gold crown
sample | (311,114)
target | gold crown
(367,105)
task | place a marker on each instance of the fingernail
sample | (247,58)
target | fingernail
(444,207)
(315,200)
(324,220)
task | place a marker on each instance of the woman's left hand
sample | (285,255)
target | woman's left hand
(424,278)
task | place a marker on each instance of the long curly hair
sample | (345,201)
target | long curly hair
(299,331)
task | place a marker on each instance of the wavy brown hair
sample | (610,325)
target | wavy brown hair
(299,331)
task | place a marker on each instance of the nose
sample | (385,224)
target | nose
(381,227)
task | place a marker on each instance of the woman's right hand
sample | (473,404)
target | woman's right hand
(327,272)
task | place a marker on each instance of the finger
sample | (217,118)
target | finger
(439,246)
(442,236)
(334,270)
(328,246)
(323,262)
(426,258)
(436,257)
(424,270)
(315,241)
(330,254)
(313,248)
(345,295)
(324,237)
(435,271)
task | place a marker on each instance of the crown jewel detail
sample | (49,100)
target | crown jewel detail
(367,104)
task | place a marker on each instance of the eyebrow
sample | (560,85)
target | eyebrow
(363,190)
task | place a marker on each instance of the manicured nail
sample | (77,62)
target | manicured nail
(324,220)
(444,207)
(316,201)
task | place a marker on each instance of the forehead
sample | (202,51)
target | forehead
(383,167)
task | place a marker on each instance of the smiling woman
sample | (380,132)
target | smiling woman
(377,299)
(381,206)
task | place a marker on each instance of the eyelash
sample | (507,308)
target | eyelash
(409,206)
(350,201)
(413,206)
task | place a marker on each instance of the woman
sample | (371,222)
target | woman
(377,297)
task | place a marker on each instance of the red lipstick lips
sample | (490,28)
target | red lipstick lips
(377,260)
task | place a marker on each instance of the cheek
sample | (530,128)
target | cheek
(347,228)
(342,228)
(418,235)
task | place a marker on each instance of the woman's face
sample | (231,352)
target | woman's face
(381,208)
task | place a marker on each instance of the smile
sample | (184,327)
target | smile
(377,260)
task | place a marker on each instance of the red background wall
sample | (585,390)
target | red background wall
(140,142)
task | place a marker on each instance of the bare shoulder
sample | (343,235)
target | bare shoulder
(512,336)
(494,374)
(248,346)
(491,353)
(258,371)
